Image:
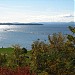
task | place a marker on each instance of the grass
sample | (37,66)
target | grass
(10,51)
(6,50)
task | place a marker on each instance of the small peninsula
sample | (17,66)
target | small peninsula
(21,24)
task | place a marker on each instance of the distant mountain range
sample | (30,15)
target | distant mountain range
(59,23)
(56,22)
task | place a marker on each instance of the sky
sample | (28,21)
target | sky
(37,11)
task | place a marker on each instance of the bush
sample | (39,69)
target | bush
(18,71)
(55,58)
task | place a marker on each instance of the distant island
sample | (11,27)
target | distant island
(39,23)
(21,24)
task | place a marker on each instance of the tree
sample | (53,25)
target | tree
(24,50)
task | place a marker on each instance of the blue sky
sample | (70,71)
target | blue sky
(36,10)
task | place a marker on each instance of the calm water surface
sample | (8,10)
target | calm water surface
(24,35)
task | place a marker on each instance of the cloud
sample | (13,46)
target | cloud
(68,16)
(22,17)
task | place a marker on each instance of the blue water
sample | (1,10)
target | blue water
(25,35)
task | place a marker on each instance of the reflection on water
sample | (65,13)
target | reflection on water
(4,26)
(26,34)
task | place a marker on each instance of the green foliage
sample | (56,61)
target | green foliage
(19,56)
(72,29)
(55,58)
(24,50)
(70,37)
(3,59)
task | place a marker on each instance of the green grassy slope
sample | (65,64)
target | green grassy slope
(6,50)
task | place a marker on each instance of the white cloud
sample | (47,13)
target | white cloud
(18,17)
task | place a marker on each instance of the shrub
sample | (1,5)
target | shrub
(55,58)
(18,71)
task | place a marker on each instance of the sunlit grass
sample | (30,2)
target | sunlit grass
(6,50)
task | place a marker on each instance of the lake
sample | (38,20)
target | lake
(25,35)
